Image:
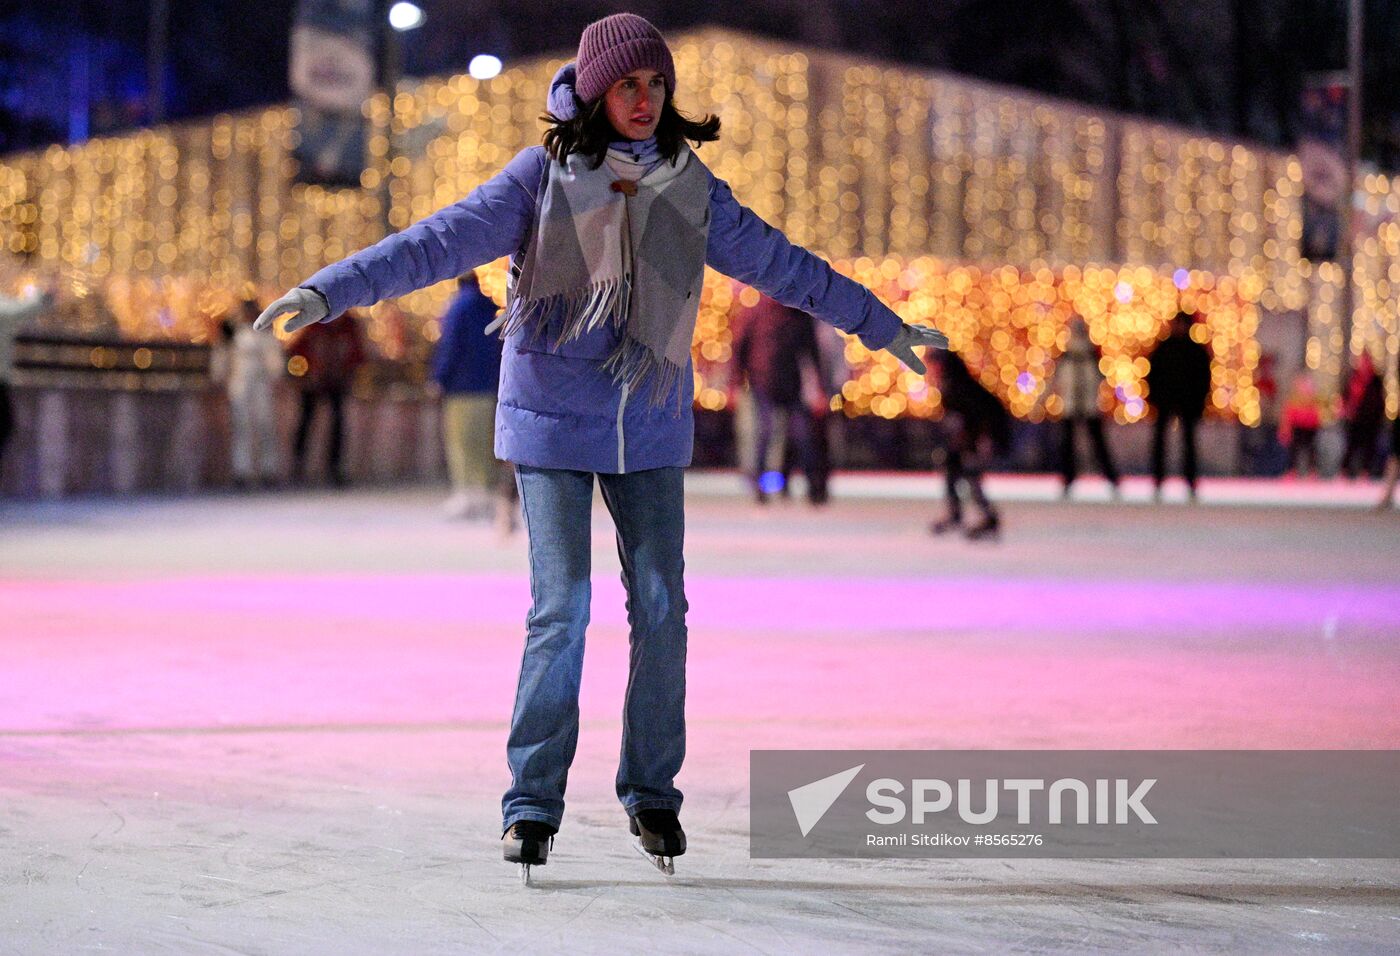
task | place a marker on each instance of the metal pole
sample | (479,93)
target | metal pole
(155,60)
(79,79)
(1345,250)
(389,79)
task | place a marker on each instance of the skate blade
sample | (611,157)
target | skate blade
(666,864)
(525,879)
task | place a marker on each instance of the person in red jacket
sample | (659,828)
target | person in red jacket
(1303,415)
(331,353)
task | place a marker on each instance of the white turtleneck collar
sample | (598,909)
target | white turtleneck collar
(643,152)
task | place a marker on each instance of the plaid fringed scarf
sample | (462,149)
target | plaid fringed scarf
(631,251)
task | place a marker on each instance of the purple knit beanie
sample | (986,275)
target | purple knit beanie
(614,46)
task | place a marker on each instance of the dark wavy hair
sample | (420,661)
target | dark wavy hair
(590,132)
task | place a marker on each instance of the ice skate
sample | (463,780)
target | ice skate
(989,529)
(458,507)
(527,843)
(944,525)
(659,838)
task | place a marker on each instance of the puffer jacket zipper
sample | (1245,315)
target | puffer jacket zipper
(627,257)
(621,438)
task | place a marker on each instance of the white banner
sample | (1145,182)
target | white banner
(331,71)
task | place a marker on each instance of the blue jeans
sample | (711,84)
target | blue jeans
(648,510)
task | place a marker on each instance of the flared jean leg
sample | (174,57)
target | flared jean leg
(648,509)
(557,505)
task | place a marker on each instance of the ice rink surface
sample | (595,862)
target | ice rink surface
(276,723)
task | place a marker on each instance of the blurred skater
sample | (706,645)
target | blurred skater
(1077,381)
(1392,466)
(467,367)
(775,350)
(976,426)
(816,397)
(249,365)
(332,352)
(1178,383)
(1262,451)
(1302,418)
(1365,412)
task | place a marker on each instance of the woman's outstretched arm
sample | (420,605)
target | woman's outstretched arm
(492,221)
(745,247)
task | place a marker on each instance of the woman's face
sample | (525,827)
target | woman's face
(634,103)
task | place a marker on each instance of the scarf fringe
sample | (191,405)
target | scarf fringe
(634,365)
(583,311)
(631,363)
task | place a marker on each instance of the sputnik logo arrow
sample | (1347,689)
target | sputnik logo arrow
(811,801)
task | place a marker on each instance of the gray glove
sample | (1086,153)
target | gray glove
(910,336)
(306,306)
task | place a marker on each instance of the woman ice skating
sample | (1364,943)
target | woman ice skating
(609,225)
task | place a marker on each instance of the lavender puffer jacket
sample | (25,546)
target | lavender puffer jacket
(558,408)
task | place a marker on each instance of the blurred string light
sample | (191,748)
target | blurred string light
(1010,325)
(406,16)
(879,168)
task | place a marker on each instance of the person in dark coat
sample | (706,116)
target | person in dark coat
(1178,383)
(772,349)
(818,387)
(331,352)
(1365,413)
(466,365)
(1392,467)
(976,426)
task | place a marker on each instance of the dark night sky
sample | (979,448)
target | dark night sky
(1229,66)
